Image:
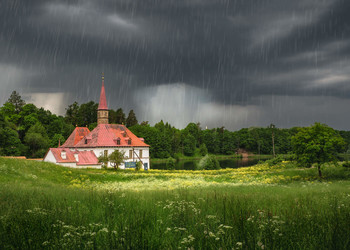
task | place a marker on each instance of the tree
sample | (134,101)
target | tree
(272,127)
(10,144)
(138,166)
(72,113)
(209,162)
(120,116)
(131,120)
(317,144)
(189,144)
(17,101)
(170,163)
(37,140)
(203,149)
(116,158)
(104,160)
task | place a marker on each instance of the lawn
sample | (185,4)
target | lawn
(43,205)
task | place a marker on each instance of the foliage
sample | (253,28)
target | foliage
(37,140)
(131,120)
(164,140)
(103,160)
(170,163)
(208,162)
(138,166)
(316,144)
(17,101)
(203,149)
(346,164)
(116,158)
(274,161)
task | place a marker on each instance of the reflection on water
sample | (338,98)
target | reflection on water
(225,163)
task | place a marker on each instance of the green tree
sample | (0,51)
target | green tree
(209,162)
(203,149)
(120,116)
(131,120)
(170,163)
(138,166)
(37,140)
(72,114)
(10,144)
(87,113)
(317,144)
(189,144)
(56,139)
(17,101)
(104,160)
(116,158)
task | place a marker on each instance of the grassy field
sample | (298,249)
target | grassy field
(261,207)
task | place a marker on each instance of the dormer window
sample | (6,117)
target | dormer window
(86,141)
(117,140)
(129,142)
(64,155)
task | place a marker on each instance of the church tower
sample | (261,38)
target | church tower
(102,111)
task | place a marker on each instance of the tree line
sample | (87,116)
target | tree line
(28,130)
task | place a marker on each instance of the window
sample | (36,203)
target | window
(106,153)
(118,142)
(86,141)
(129,142)
(130,154)
(140,154)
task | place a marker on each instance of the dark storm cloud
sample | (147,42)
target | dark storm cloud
(242,58)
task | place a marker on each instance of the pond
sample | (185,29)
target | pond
(224,163)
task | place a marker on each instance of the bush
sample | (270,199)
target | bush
(138,166)
(274,161)
(346,164)
(208,162)
(170,163)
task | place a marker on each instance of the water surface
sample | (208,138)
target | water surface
(224,163)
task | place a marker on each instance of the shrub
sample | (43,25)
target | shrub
(138,166)
(170,163)
(208,162)
(346,164)
(275,161)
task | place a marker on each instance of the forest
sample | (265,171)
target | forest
(30,131)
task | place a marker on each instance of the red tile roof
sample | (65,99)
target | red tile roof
(103,102)
(77,135)
(87,158)
(84,157)
(57,153)
(107,135)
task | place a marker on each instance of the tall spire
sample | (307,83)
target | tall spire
(103,102)
(102,111)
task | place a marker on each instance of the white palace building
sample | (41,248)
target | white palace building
(83,147)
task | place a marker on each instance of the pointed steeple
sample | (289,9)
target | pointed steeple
(102,111)
(103,101)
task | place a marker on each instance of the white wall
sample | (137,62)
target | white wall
(100,151)
(49,157)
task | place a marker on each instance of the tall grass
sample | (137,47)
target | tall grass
(40,207)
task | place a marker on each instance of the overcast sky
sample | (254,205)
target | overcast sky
(232,63)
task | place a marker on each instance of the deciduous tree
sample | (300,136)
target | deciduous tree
(317,144)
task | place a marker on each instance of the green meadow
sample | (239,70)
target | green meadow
(47,206)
